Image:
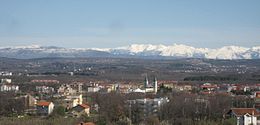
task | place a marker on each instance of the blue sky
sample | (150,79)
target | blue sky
(113,23)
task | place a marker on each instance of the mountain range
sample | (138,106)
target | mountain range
(134,50)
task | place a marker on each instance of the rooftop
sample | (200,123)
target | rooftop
(84,105)
(243,111)
(87,123)
(43,103)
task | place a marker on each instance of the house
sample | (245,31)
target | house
(244,116)
(80,110)
(72,101)
(44,108)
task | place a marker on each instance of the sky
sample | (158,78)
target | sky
(115,23)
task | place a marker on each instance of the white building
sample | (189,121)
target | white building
(138,90)
(94,87)
(4,88)
(244,116)
(155,85)
(148,106)
(6,73)
(6,80)
(181,87)
(44,89)
(70,89)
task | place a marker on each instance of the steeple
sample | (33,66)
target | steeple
(155,85)
(146,82)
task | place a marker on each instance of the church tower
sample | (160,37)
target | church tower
(155,85)
(146,82)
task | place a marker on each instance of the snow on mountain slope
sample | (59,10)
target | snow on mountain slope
(228,52)
(138,50)
(162,50)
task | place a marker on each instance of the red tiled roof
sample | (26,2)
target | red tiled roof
(243,111)
(87,123)
(84,105)
(43,103)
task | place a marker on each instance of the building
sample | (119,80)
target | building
(138,90)
(244,116)
(148,106)
(66,89)
(148,88)
(44,89)
(44,108)
(72,101)
(182,87)
(168,85)
(94,87)
(8,87)
(3,81)
(155,85)
(29,101)
(208,88)
(6,73)
(80,110)
(77,87)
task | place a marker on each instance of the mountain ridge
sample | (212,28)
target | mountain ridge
(133,50)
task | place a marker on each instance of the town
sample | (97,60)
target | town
(149,99)
(129,62)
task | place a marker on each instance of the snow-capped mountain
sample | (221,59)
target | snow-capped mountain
(184,51)
(134,50)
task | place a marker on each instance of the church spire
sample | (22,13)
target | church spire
(146,82)
(155,85)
